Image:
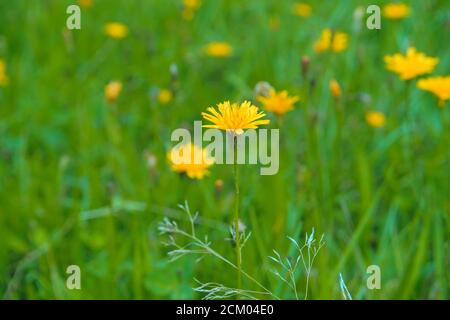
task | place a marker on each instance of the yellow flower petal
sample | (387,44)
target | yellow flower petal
(278,103)
(411,65)
(234,117)
(116,30)
(439,86)
(218,49)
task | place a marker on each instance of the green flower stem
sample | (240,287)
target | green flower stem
(236,215)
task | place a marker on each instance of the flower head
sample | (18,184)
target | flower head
(234,117)
(116,30)
(302,9)
(439,86)
(329,40)
(278,103)
(112,90)
(218,49)
(165,96)
(375,119)
(191,160)
(335,88)
(3,75)
(411,65)
(396,11)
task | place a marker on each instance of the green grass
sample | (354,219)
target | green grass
(75,187)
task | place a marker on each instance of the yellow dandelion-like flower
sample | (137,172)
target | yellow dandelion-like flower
(3,76)
(396,11)
(218,49)
(235,117)
(85,3)
(112,90)
(375,119)
(302,9)
(329,40)
(278,103)
(190,160)
(439,86)
(116,30)
(411,65)
(165,96)
(335,88)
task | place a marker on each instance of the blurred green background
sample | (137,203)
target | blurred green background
(86,182)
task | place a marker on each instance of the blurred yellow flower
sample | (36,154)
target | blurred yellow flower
(218,49)
(375,119)
(165,96)
(218,185)
(396,11)
(439,86)
(116,30)
(335,88)
(411,65)
(112,90)
(278,103)
(331,40)
(3,75)
(189,8)
(192,4)
(85,3)
(183,159)
(235,117)
(302,9)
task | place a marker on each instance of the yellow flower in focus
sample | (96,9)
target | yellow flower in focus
(235,117)
(329,40)
(165,96)
(411,65)
(278,103)
(112,90)
(218,49)
(396,11)
(3,76)
(302,9)
(439,86)
(375,119)
(85,3)
(191,160)
(335,88)
(116,30)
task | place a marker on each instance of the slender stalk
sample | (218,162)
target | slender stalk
(236,214)
(208,250)
(308,272)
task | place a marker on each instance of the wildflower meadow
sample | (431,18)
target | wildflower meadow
(224,149)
